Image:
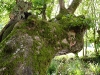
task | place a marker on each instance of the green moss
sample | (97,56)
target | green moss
(69,20)
(42,59)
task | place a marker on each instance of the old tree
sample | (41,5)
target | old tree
(28,43)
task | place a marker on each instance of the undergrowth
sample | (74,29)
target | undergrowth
(75,66)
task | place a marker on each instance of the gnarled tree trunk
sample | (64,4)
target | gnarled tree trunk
(32,43)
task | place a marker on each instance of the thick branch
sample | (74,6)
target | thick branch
(9,26)
(73,6)
(63,10)
(61,3)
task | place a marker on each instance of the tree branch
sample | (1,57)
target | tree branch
(63,10)
(44,11)
(61,3)
(73,6)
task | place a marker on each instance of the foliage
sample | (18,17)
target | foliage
(73,21)
(91,9)
(38,7)
(5,8)
(75,66)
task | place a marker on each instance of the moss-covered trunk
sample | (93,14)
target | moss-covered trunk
(31,45)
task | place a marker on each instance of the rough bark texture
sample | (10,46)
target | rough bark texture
(32,43)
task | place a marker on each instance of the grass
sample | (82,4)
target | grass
(71,65)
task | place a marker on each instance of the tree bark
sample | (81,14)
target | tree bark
(73,6)
(62,5)
(71,9)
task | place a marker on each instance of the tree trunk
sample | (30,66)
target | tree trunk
(32,43)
